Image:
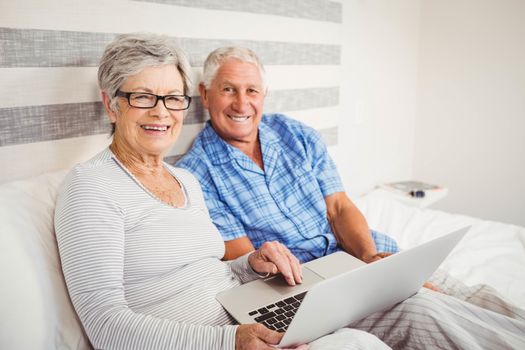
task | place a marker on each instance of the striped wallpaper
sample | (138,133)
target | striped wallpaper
(51,116)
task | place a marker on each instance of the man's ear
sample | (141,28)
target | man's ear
(106,102)
(204,95)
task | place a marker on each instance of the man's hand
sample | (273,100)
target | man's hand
(256,336)
(273,257)
(433,287)
(377,256)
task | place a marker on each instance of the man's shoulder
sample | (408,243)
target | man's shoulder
(291,132)
(196,151)
(279,119)
(281,123)
(194,159)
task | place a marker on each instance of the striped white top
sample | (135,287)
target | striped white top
(142,274)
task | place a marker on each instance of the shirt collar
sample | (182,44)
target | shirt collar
(270,145)
(221,152)
(217,149)
(267,136)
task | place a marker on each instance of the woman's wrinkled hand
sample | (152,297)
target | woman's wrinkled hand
(273,257)
(256,336)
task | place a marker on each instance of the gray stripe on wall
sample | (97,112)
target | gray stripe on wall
(297,100)
(50,48)
(21,125)
(330,135)
(270,52)
(55,48)
(319,10)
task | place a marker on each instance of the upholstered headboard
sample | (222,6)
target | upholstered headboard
(51,116)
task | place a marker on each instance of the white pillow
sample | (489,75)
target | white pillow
(34,303)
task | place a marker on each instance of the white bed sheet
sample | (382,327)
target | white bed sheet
(491,252)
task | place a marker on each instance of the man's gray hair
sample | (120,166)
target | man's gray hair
(128,54)
(217,57)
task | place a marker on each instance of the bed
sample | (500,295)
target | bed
(37,314)
(491,252)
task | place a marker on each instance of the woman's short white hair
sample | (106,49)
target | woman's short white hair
(128,54)
(217,57)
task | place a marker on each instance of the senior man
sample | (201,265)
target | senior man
(268,177)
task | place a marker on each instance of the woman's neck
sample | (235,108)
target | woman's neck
(138,164)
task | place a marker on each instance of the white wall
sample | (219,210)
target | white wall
(378,92)
(470,128)
(435,90)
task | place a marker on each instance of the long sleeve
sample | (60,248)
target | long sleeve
(90,229)
(241,268)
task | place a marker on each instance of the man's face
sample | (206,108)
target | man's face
(235,101)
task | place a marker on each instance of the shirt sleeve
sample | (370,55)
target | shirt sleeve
(322,164)
(228,225)
(243,270)
(90,233)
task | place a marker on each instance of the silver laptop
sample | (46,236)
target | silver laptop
(337,290)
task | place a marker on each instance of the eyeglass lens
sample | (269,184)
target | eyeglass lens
(144,100)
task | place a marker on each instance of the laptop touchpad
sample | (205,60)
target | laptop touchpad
(279,284)
(333,264)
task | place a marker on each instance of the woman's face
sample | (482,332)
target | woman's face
(149,132)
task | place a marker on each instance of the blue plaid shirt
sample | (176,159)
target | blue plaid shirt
(283,202)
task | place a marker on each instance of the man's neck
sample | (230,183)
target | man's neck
(252,150)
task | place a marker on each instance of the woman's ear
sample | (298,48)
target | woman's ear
(107,106)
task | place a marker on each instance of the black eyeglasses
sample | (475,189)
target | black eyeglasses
(145,100)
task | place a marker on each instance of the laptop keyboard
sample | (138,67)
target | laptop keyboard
(277,316)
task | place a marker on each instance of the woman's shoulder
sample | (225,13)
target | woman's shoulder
(92,174)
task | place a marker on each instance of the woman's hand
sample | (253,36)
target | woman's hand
(256,336)
(273,257)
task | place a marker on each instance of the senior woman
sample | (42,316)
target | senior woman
(140,255)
